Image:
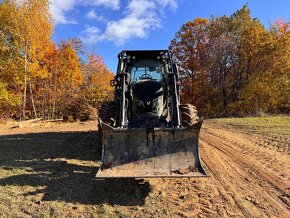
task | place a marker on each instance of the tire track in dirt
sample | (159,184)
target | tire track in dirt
(280,143)
(225,188)
(237,165)
(251,190)
(253,160)
(246,145)
(262,175)
(245,180)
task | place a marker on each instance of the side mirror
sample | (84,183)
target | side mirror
(179,82)
(113,82)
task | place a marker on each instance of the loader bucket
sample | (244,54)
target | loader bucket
(161,152)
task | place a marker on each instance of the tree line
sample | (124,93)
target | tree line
(233,65)
(39,78)
(229,65)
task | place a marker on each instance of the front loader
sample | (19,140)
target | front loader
(145,131)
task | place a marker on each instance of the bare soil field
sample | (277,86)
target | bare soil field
(48,170)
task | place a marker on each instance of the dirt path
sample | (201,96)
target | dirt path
(245,178)
(254,179)
(249,176)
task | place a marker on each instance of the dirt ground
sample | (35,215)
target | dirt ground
(48,170)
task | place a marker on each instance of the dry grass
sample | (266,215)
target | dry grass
(50,173)
(277,125)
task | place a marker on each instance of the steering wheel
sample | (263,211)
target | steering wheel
(146,76)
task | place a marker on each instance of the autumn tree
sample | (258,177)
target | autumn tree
(268,89)
(63,82)
(26,29)
(35,26)
(94,90)
(10,60)
(41,78)
(189,48)
(242,69)
(97,88)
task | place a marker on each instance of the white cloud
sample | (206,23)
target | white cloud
(139,18)
(92,15)
(142,16)
(139,8)
(129,27)
(59,8)
(92,34)
(113,4)
(101,18)
(168,3)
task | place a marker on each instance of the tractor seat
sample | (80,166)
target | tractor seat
(147,90)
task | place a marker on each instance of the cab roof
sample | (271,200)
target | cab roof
(143,54)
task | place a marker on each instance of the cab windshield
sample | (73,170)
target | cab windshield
(147,70)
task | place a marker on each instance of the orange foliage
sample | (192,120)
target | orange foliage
(70,71)
(98,87)
(234,65)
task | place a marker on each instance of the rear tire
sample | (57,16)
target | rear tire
(109,112)
(188,115)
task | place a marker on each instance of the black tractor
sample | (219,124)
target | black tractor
(145,131)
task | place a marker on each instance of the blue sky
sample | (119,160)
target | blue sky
(110,26)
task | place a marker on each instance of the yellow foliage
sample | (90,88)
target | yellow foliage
(98,87)
(234,65)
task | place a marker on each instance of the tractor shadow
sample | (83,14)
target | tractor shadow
(62,166)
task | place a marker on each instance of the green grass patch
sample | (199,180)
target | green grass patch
(278,125)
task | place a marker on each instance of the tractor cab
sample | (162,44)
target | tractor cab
(148,87)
